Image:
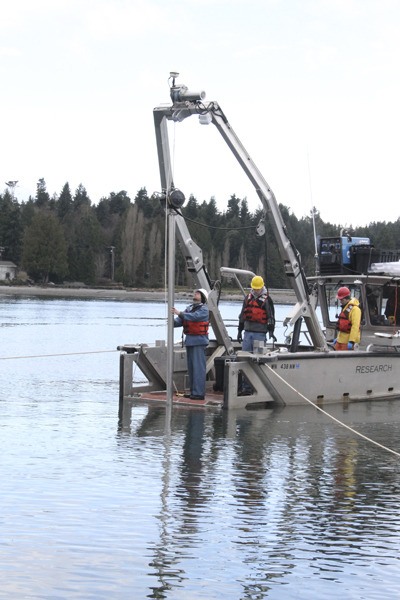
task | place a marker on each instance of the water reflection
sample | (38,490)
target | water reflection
(274,496)
(277,503)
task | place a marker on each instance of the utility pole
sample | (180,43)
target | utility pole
(112,248)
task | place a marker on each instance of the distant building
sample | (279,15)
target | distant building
(8,270)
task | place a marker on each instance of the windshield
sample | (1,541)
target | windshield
(380,304)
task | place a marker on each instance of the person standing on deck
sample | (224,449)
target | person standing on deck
(257,317)
(195,321)
(349,321)
(392,310)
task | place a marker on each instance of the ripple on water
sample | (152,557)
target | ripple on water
(252,504)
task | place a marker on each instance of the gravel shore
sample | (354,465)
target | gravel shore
(148,295)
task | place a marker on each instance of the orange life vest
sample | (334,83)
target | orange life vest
(195,327)
(255,309)
(344,323)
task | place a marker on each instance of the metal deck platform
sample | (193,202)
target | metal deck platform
(212,399)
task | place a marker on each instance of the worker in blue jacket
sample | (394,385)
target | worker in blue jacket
(195,322)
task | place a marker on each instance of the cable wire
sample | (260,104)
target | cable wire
(215,227)
(332,417)
(60,354)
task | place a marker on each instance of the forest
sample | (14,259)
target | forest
(67,238)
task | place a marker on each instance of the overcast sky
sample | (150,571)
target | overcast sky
(311,87)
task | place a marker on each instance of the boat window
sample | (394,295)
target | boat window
(333,305)
(374,305)
(380,304)
(391,302)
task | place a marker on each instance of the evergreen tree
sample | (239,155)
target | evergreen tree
(65,202)
(81,198)
(110,210)
(233,212)
(44,252)
(244,214)
(27,212)
(136,234)
(119,203)
(103,211)
(10,228)
(191,210)
(42,196)
(209,213)
(86,246)
(149,206)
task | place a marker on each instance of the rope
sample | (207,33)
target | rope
(51,355)
(334,418)
(272,371)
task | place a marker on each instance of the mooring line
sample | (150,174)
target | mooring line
(50,355)
(332,417)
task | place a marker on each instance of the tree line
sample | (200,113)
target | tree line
(67,238)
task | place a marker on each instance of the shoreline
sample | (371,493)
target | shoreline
(146,295)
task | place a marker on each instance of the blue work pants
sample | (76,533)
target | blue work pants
(196,364)
(249,337)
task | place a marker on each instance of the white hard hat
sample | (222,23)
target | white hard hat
(204,294)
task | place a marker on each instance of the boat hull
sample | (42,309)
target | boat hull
(313,377)
(276,376)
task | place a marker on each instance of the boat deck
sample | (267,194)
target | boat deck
(214,399)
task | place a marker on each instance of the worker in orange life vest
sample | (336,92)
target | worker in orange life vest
(257,317)
(195,322)
(349,321)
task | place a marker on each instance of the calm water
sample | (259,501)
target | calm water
(247,505)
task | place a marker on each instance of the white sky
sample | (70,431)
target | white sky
(311,87)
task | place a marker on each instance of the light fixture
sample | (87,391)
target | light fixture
(176,198)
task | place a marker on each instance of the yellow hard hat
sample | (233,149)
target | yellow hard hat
(257,282)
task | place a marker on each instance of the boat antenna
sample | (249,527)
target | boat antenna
(313,213)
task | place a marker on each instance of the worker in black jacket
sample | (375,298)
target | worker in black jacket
(257,317)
